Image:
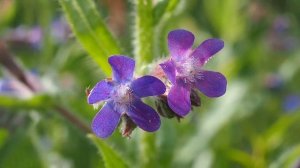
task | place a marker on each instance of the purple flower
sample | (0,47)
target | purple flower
(10,86)
(291,103)
(123,96)
(60,30)
(31,37)
(273,82)
(184,70)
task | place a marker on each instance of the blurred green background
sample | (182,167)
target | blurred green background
(46,68)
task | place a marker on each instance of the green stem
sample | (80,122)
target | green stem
(143,34)
(143,53)
(148,150)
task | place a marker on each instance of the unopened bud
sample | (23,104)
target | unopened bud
(195,99)
(127,126)
(163,108)
(87,91)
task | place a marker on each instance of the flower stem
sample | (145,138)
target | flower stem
(8,61)
(72,119)
(143,33)
(148,150)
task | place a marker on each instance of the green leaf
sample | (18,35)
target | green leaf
(222,14)
(164,9)
(19,151)
(240,157)
(91,31)
(39,101)
(273,136)
(143,33)
(287,158)
(3,136)
(111,157)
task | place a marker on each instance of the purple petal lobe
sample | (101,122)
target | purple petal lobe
(212,84)
(144,116)
(179,99)
(105,121)
(169,69)
(207,49)
(148,86)
(100,92)
(122,67)
(180,42)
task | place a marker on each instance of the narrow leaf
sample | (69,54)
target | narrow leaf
(287,158)
(164,9)
(91,31)
(111,158)
(273,136)
(39,101)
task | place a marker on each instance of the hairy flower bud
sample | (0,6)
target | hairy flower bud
(163,108)
(127,126)
(195,99)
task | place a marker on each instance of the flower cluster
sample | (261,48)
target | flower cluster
(183,70)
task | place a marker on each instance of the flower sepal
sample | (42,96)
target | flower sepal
(163,108)
(127,126)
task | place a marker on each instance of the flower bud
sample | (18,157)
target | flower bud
(195,99)
(163,108)
(127,126)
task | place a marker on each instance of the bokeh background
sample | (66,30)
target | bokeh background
(46,68)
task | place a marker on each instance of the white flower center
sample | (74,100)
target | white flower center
(188,70)
(122,96)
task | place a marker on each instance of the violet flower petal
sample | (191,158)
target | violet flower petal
(144,116)
(207,49)
(105,121)
(122,67)
(179,43)
(147,86)
(170,70)
(100,92)
(212,84)
(179,99)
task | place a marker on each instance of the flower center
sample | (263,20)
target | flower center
(122,95)
(188,70)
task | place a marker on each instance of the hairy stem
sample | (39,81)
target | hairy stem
(143,33)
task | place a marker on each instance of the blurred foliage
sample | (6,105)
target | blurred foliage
(255,124)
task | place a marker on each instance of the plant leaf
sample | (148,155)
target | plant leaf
(273,135)
(19,151)
(111,158)
(287,158)
(91,31)
(163,9)
(36,102)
